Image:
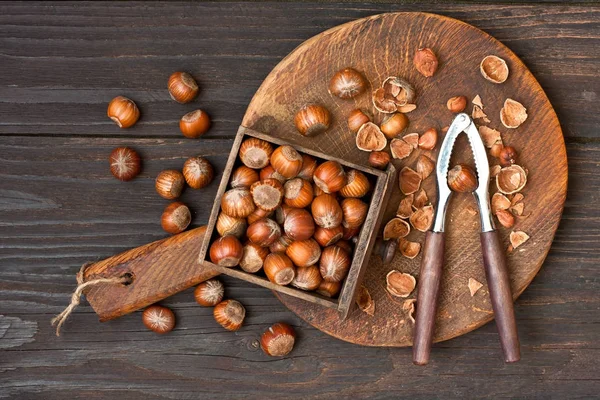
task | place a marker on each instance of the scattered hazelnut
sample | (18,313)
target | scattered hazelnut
(400,149)
(197,172)
(396,228)
(304,253)
(255,153)
(330,176)
(505,218)
(298,193)
(428,139)
(257,214)
(279,268)
(462,178)
(209,293)
(263,232)
(312,119)
(280,245)
(194,124)
(329,289)
(243,177)
(182,87)
(307,278)
(125,163)
(226,251)
(508,156)
(309,164)
(230,314)
(365,301)
(169,184)
(354,212)
(326,211)
(425,62)
(176,218)
(253,257)
(457,104)
(400,284)
(347,83)
(299,224)
(422,218)
(356,119)
(123,112)
(370,138)
(326,237)
(379,159)
(237,203)
(494,69)
(278,340)
(409,180)
(269,172)
(287,161)
(357,184)
(158,319)
(513,114)
(394,124)
(227,225)
(334,264)
(267,194)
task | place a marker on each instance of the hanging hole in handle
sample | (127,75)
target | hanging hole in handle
(128,278)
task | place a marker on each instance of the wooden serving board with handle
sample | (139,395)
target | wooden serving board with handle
(381,46)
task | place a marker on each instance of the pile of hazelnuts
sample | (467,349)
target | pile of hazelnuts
(292,216)
(125,162)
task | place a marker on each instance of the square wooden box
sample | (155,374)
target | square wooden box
(366,240)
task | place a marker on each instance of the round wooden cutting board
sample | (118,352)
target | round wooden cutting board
(382,46)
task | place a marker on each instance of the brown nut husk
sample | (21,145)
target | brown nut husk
(513,114)
(425,166)
(426,62)
(422,218)
(396,228)
(400,149)
(365,301)
(409,249)
(370,138)
(405,209)
(511,179)
(400,284)
(494,69)
(517,238)
(409,180)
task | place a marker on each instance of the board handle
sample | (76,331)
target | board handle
(428,290)
(498,282)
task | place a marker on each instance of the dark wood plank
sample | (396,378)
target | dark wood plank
(60,59)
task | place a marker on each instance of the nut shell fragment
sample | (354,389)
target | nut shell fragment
(428,139)
(511,179)
(409,306)
(365,301)
(500,202)
(412,139)
(394,95)
(513,114)
(474,286)
(400,284)
(489,136)
(517,238)
(409,180)
(396,228)
(494,69)
(405,207)
(400,149)
(425,166)
(422,219)
(370,138)
(409,249)
(420,199)
(505,218)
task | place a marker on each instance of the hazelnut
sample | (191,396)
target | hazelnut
(125,163)
(326,211)
(123,112)
(263,232)
(309,164)
(226,251)
(287,161)
(347,83)
(317,191)
(253,257)
(457,104)
(356,119)
(334,264)
(379,159)
(354,212)
(394,124)
(197,172)
(345,245)
(227,225)
(255,153)
(259,213)
(304,253)
(462,178)
(396,228)
(243,177)
(400,149)
(505,218)
(425,62)
(508,156)
(307,278)
(280,245)
(329,289)
(169,184)
(370,138)
(182,87)
(422,218)
(278,340)
(237,203)
(158,319)
(176,218)
(326,237)
(209,293)
(513,114)
(409,180)
(330,176)
(494,69)
(269,172)
(511,179)
(357,184)
(299,224)
(230,314)
(281,213)
(425,166)
(267,194)
(364,301)
(312,119)
(194,124)
(298,193)
(428,139)
(279,268)
(400,284)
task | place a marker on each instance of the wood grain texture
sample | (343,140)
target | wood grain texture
(384,45)
(59,207)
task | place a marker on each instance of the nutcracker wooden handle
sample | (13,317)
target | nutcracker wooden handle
(498,282)
(430,278)
(158,270)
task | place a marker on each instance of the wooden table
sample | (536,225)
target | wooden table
(59,207)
